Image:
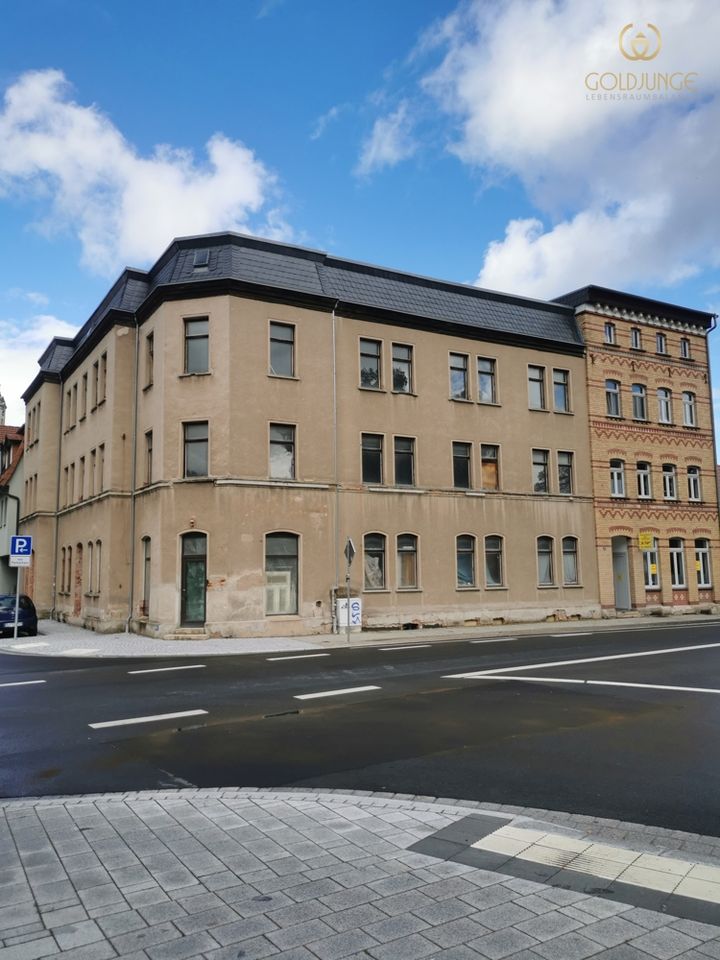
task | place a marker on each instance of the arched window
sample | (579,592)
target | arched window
(493,561)
(644,484)
(702,563)
(617,478)
(651,567)
(281,573)
(693,480)
(546,574)
(677,562)
(639,401)
(612,398)
(98,564)
(571,575)
(465,560)
(688,402)
(407,561)
(90,568)
(664,397)
(147,546)
(62,570)
(669,476)
(374,561)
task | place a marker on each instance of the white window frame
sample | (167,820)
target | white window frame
(689,409)
(610,333)
(703,569)
(644,480)
(639,401)
(664,398)
(669,475)
(661,343)
(613,398)
(693,483)
(617,478)
(678,577)
(650,559)
(635,338)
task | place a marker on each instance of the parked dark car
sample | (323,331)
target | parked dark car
(27,615)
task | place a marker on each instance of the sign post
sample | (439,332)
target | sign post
(349,556)
(20,556)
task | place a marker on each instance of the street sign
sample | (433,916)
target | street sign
(645,541)
(349,551)
(20,551)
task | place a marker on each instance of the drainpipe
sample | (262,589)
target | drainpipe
(56,526)
(336,478)
(133,478)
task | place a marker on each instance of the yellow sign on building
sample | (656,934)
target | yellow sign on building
(645,541)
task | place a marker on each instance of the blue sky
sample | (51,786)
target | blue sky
(454,140)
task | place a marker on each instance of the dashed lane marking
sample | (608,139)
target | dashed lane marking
(477,674)
(607,683)
(571,634)
(189,666)
(332,693)
(159,716)
(495,640)
(79,651)
(407,646)
(28,646)
(22,683)
(298,656)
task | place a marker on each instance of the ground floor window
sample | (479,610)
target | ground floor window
(493,561)
(546,575)
(465,561)
(407,565)
(374,561)
(281,573)
(570,561)
(702,563)
(651,567)
(677,563)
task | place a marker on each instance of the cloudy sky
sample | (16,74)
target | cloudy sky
(454,140)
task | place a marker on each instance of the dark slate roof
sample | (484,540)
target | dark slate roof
(251,263)
(639,305)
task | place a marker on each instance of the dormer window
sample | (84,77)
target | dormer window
(201,259)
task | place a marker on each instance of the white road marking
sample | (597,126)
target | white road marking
(588,634)
(407,646)
(568,663)
(191,666)
(22,683)
(159,716)
(79,651)
(27,646)
(298,656)
(332,693)
(607,683)
(495,640)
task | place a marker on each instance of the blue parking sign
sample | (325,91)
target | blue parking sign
(20,546)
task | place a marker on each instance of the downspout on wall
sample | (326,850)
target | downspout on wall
(336,479)
(133,478)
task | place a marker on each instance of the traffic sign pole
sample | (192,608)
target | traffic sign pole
(17,604)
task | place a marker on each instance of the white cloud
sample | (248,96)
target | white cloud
(32,296)
(23,342)
(125,208)
(327,118)
(628,192)
(389,142)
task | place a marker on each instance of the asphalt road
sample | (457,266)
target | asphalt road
(624,724)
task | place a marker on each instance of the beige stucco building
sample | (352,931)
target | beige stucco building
(202,451)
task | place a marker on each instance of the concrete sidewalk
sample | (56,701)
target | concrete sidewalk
(304,875)
(60,639)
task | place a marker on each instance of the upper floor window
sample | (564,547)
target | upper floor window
(372,458)
(402,368)
(459,386)
(617,478)
(540,478)
(465,560)
(489,463)
(664,396)
(561,390)
(370,364)
(536,388)
(610,333)
(196,345)
(374,561)
(565,471)
(636,338)
(693,481)
(404,461)
(195,461)
(644,488)
(461,453)
(688,402)
(95,384)
(702,563)
(669,476)
(282,451)
(684,348)
(677,562)
(612,398)
(407,561)
(661,342)
(493,561)
(148,457)
(83,396)
(149,359)
(282,349)
(639,401)
(571,573)
(487,380)
(102,388)
(546,574)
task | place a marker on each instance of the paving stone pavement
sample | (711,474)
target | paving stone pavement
(243,874)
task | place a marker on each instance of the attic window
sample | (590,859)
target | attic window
(201,260)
